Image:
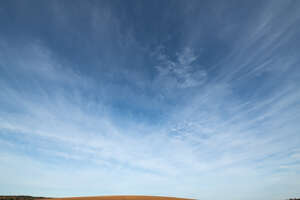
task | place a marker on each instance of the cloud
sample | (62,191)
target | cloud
(229,127)
(183,72)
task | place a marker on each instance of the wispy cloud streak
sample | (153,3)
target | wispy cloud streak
(160,120)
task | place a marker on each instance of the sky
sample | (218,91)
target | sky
(197,99)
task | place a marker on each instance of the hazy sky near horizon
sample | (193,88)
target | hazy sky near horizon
(196,99)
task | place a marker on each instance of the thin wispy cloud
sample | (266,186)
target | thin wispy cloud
(183,72)
(107,99)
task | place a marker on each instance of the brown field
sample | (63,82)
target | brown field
(121,197)
(128,197)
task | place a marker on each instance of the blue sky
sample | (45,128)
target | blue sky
(195,99)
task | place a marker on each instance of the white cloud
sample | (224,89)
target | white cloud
(184,72)
(215,141)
